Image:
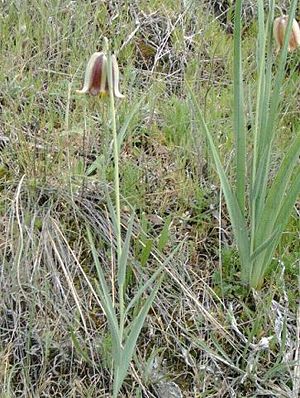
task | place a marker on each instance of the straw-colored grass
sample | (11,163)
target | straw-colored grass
(131,231)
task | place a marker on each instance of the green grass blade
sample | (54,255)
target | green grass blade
(261,143)
(146,251)
(124,128)
(261,266)
(112,325)
(260,98)
(265,245)
(256,194)
(106,302)
(236,216)
(279,77)
(140,292)
(105,298)
(219,355)
(125,251)
(100,273)
(261,180)
(79,348)
(164,236)
(127,352)
(278,191)
(267,71)
(290,200)
(98,163)
(111,210)
(239,122)
(143,288)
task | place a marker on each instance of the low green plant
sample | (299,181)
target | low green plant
(259,207)
(124,328)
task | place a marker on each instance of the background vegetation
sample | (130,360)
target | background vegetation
(206,334)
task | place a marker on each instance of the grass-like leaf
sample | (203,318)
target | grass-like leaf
(127,352)
(129,117)
(125,251)
(278,190)
(239,123)
(105,297)
(270,206)
(237,219)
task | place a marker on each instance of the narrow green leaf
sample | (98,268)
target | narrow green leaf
(143,288)
(290,200)
(237,219)
(239,122)
(261,141)
(79,348)
(129,347)
(277,192)
(219,356)
(279,77)
(146,285)
(112,211)
(269,76)
(261,265)
(112,325)
(125,251)
(164,236)
(260,97)
(264,246)
(98,163)
(146,252)
(271,114)
(128,119)
(258,181)
(100,273)
(105,298)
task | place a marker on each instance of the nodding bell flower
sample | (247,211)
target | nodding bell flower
(279,28)
(96,76)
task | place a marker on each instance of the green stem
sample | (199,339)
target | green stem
(117,189)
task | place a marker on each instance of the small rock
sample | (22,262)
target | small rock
(168,390)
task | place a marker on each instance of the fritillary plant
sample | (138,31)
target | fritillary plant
(259,207)
(102,78)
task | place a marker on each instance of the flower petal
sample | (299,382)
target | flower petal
(93,74)
(103,82)
(116,77)
(279,29)
(295,36)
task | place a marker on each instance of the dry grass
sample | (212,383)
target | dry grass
(206,335)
